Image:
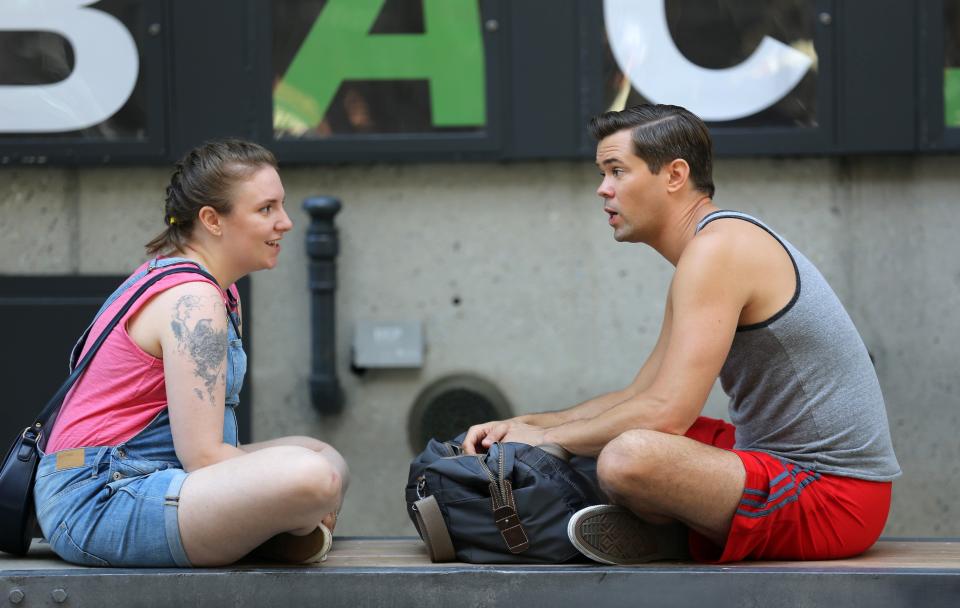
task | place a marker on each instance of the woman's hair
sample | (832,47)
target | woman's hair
(206,176)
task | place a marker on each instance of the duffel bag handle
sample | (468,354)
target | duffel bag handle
(556,450)
(433,530)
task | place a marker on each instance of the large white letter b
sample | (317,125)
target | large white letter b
(103,77)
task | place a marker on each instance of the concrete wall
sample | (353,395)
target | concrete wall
(515,276)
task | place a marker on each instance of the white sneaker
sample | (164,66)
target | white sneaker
(613,535)
(327,544)
(292,549)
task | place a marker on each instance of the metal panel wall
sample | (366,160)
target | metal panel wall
(46,315)
(208,73)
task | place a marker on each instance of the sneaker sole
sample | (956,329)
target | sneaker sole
(613,535)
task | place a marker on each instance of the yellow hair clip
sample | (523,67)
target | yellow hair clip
(172,220)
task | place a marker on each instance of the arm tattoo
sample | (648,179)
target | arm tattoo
(205,345)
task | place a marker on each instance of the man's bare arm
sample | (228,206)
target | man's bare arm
(596,406)
(707,299)
(483,435)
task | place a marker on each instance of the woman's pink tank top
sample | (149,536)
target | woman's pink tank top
(123,388)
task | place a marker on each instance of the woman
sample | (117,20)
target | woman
(142,465)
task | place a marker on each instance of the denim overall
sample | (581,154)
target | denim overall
(117,505)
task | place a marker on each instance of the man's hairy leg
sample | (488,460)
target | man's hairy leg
(663,477)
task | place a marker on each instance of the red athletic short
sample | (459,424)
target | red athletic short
(789,512)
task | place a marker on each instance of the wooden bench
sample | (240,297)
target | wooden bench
(365,571)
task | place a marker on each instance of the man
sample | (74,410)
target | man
(809,476)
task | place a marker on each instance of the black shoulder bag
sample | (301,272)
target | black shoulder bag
(17,516)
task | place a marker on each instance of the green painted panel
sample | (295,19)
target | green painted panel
(339,47)
(951,97)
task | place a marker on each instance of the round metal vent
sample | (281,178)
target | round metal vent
(449,406)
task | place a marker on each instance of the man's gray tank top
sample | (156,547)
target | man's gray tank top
(801,384)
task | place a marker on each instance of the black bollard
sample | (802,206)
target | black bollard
(322,248)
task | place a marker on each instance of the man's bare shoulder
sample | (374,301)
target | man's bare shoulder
(736,232)
(742,263)
(727,243)
(709,250)
(716,264)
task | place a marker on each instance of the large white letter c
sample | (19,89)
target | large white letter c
(642,45)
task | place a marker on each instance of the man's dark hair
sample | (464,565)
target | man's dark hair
(660,134)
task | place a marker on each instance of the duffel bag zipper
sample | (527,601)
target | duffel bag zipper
(501,464)
(454,451)
(505,514)
(497,483)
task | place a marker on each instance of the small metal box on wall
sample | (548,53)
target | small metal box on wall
(388,344)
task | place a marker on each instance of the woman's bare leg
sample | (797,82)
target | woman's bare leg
(229,508)
(321,448)
(324,449)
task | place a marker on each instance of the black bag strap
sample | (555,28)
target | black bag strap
(34,433)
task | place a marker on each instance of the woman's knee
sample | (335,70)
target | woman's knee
(314,478)
(302,441)
(335,458)
(343,469)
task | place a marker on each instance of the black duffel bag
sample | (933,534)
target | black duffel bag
(508,506)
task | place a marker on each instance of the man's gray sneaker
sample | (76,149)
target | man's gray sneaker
(613,535)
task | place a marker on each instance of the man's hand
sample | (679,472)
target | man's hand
(481,436)
(525,433)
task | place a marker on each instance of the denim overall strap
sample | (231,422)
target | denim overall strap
(236,363)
